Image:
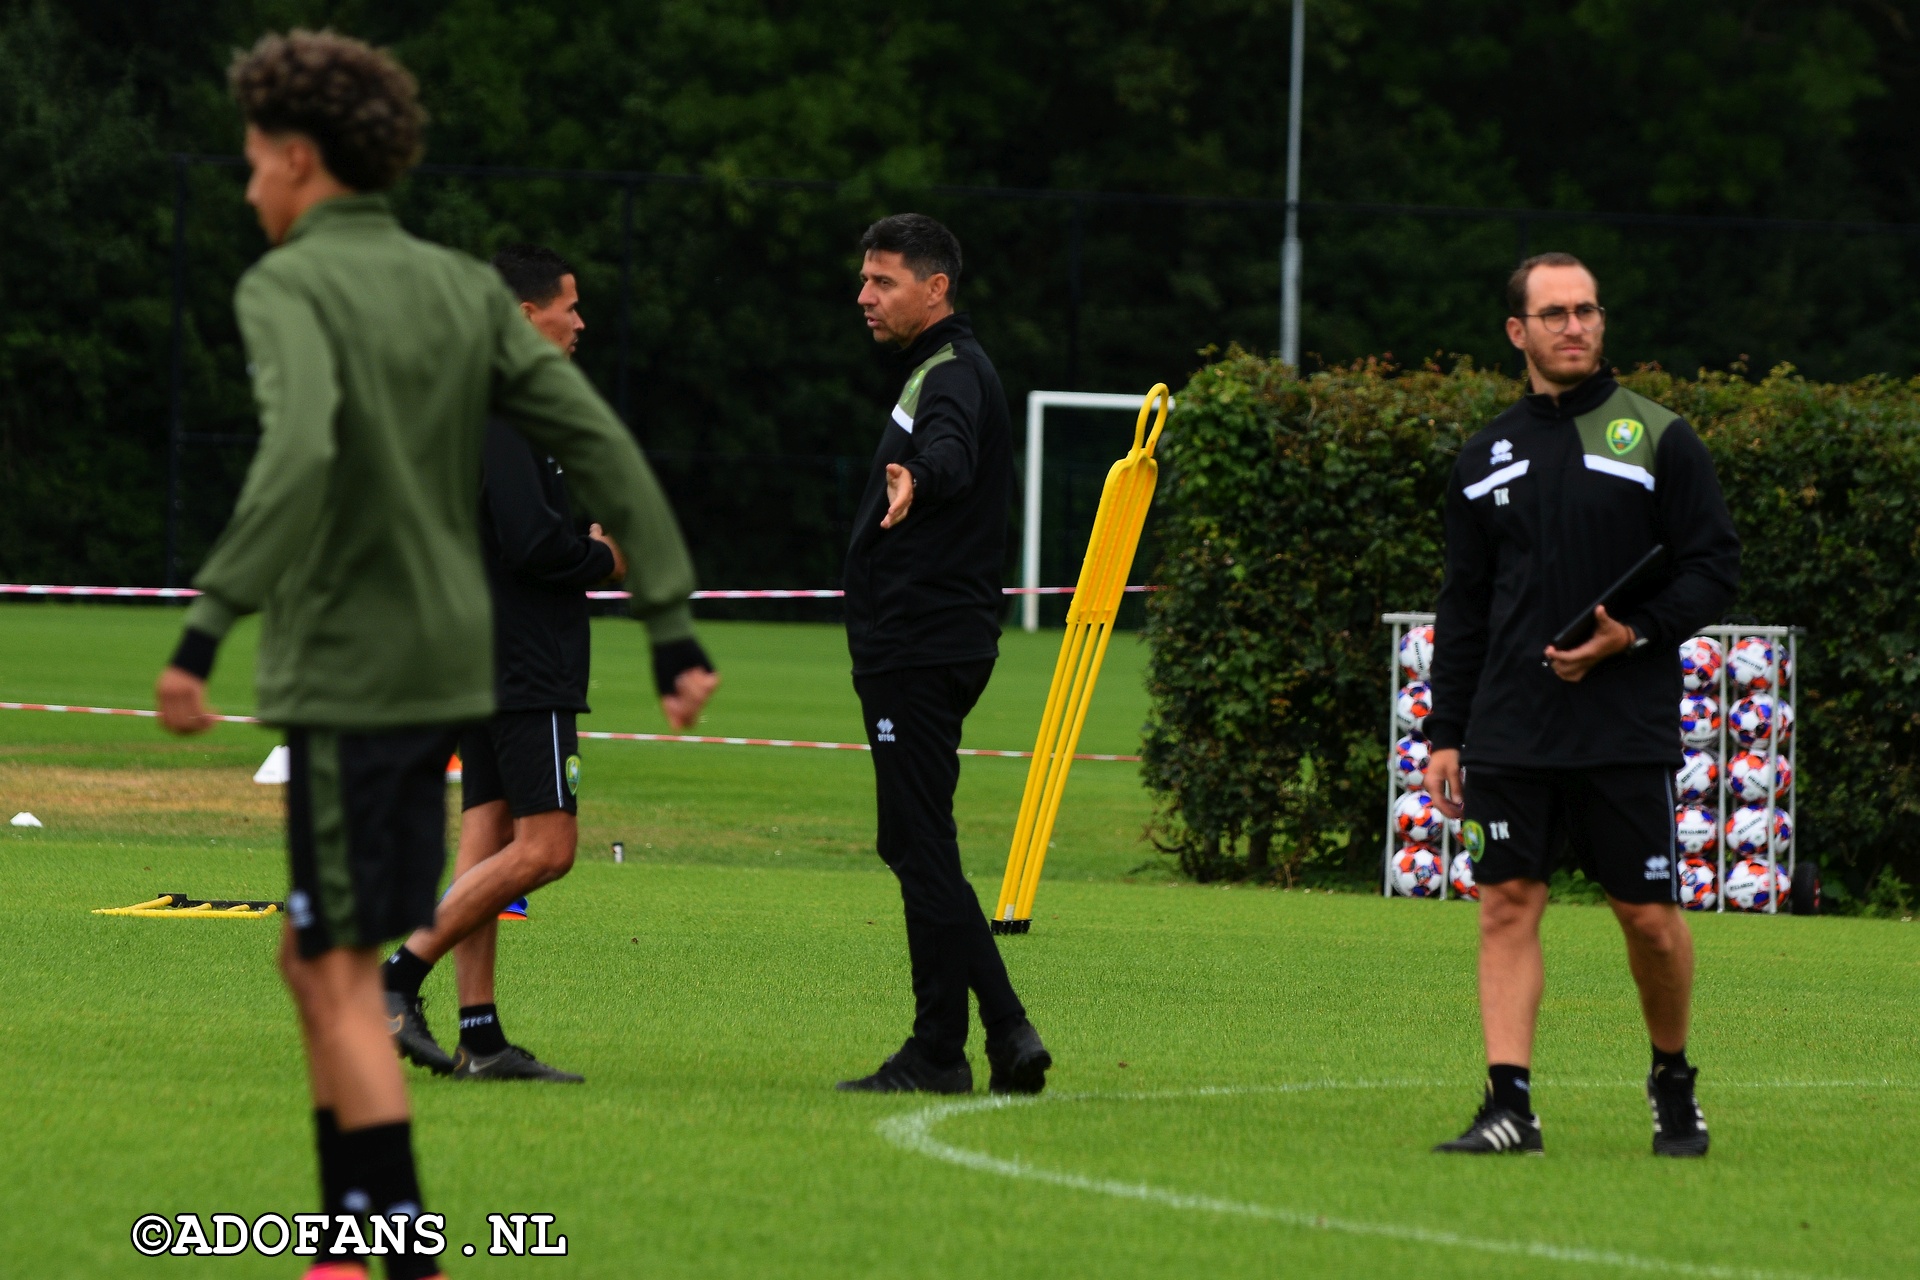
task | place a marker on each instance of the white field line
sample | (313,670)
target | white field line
(913,1132)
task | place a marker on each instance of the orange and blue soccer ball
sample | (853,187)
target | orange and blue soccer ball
(1410,757)
(1461,876)
(1700,660)
(1696,777)
(1417,872)
(1757,666)
(1416,652)
(1748,775)
(1748,887)
(1694,828)
(1699,887)
(1416,817)
(1755,719)
(1414,704)
(1747,831)
(1699,720)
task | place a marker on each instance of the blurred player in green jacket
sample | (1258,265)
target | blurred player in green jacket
(376,359)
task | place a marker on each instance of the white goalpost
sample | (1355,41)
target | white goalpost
(1038,402)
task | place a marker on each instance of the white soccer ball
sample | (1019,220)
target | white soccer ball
(1748,888)
(1758,665)
(1700,660)
(1414,704)
(1751,772)
(1416,817)
(1747,831)
(1416,652)
(1417,871)
(1699,720)
(1754,719)
(1411,755)
(1462,875)
(1698,885)
(1694,828)
(1697,777)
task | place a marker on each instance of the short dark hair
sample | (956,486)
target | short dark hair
(359,105)
(532,271)
(927,247)
(1517,282)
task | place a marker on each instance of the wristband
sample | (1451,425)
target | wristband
(674,657)
(195,654)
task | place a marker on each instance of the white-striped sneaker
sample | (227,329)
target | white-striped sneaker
(1499,1131)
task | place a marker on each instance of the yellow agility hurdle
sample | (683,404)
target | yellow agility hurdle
(1096,602)
(181,906)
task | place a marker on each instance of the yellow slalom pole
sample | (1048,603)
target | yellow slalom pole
(1124,501)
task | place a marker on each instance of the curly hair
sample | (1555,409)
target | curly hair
(359,105)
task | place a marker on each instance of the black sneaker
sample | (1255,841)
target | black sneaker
(1679,1129)
(1019,1061)
(908,1072)
(407,1024)
(511,1063)
(1499,1131)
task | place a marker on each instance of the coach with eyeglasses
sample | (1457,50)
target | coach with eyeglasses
(1565,758)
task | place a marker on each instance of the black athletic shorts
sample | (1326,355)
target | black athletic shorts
(366,833)
(1614,822)
(530,759)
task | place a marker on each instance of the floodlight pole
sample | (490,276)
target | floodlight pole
(1290,248)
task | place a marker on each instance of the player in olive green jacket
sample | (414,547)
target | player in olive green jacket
(376,359)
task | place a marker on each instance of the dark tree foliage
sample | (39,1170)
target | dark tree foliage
(1298,510)
(749,378)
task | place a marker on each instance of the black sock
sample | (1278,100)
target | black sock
(1511,1087)
(404,972)
(384,1183)
(326,1139)
(1671,1066)
(480,1030)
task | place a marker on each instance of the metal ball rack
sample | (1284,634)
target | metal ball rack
(1728,635)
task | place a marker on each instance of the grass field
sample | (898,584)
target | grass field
(1248,1081)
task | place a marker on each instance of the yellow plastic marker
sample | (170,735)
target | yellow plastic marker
(179,906)
(1096,602)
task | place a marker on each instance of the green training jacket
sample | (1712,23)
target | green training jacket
(375,359)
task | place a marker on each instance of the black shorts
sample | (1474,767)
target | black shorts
(530,759)
(1614,822)
(366,833)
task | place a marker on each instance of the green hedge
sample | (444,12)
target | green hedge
(1296,510)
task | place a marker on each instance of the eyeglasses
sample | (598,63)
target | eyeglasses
(1590,315)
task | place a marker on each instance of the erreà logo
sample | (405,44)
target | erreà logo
(1623,434)
(883,731)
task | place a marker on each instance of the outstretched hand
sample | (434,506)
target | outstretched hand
(690,693)
(899,495)
(1609,637)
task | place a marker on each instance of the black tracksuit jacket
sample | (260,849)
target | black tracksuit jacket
(926,593)
(539,569)
(1547,508)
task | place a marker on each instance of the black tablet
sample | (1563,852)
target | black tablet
(1634,586)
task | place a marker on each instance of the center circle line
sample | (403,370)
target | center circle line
(913,1131)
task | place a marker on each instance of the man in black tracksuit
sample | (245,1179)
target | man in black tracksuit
(923,624)
(520,771)
(1569,755)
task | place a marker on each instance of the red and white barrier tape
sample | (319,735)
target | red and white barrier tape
(598,736)
(187,593)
